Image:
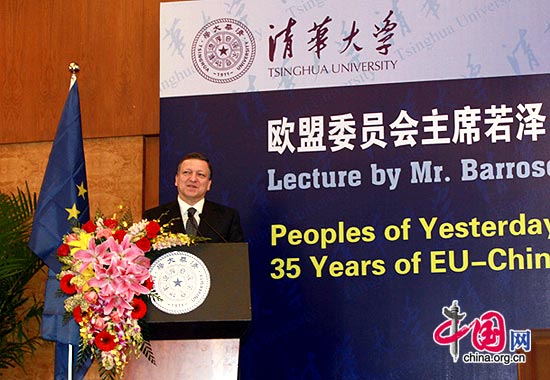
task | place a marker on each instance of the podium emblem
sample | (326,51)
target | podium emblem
(182,282)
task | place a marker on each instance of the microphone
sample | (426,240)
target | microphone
(212,228)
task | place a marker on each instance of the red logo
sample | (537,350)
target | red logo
(488,332)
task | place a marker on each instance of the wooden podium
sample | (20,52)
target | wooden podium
(202,344)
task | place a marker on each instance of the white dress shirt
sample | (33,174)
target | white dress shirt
(185,206)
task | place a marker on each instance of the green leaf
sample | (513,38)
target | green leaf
(18,264)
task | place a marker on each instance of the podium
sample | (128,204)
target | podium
(202,343)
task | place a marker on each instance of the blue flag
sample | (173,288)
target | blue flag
(62,203)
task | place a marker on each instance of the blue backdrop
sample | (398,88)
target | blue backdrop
(376,323)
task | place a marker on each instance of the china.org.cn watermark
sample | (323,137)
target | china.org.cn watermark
(488,337)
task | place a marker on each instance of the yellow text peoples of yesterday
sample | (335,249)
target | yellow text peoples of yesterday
(438,261)
(432,227)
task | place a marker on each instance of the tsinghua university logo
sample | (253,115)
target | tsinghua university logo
(488,335)
(223,50)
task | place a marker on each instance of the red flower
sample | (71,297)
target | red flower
(149,283)
(140,308)
(144,244)
(89,226)
(63,250)
(77,314)
(152,229)
(66,286)
(119,235)
(105,341)
(111,223)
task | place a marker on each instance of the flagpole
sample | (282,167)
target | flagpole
(70,363)
(74,68)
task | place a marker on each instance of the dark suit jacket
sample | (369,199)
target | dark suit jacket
(217,222)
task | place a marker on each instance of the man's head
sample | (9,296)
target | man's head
(193,177)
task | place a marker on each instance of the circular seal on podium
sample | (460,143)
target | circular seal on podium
(182,282)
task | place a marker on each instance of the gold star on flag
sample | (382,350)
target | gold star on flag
(81,190)
(73,212)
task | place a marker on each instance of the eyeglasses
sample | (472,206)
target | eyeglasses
(188,173)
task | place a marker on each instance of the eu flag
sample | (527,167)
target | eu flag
(62,203)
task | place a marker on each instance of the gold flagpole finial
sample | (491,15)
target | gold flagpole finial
(73,68)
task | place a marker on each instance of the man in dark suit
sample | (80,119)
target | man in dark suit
(191,213)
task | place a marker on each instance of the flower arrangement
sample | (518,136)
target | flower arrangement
(106,276)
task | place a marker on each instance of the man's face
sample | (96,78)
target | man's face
(193,180)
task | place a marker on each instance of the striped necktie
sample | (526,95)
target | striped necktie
(191,227)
